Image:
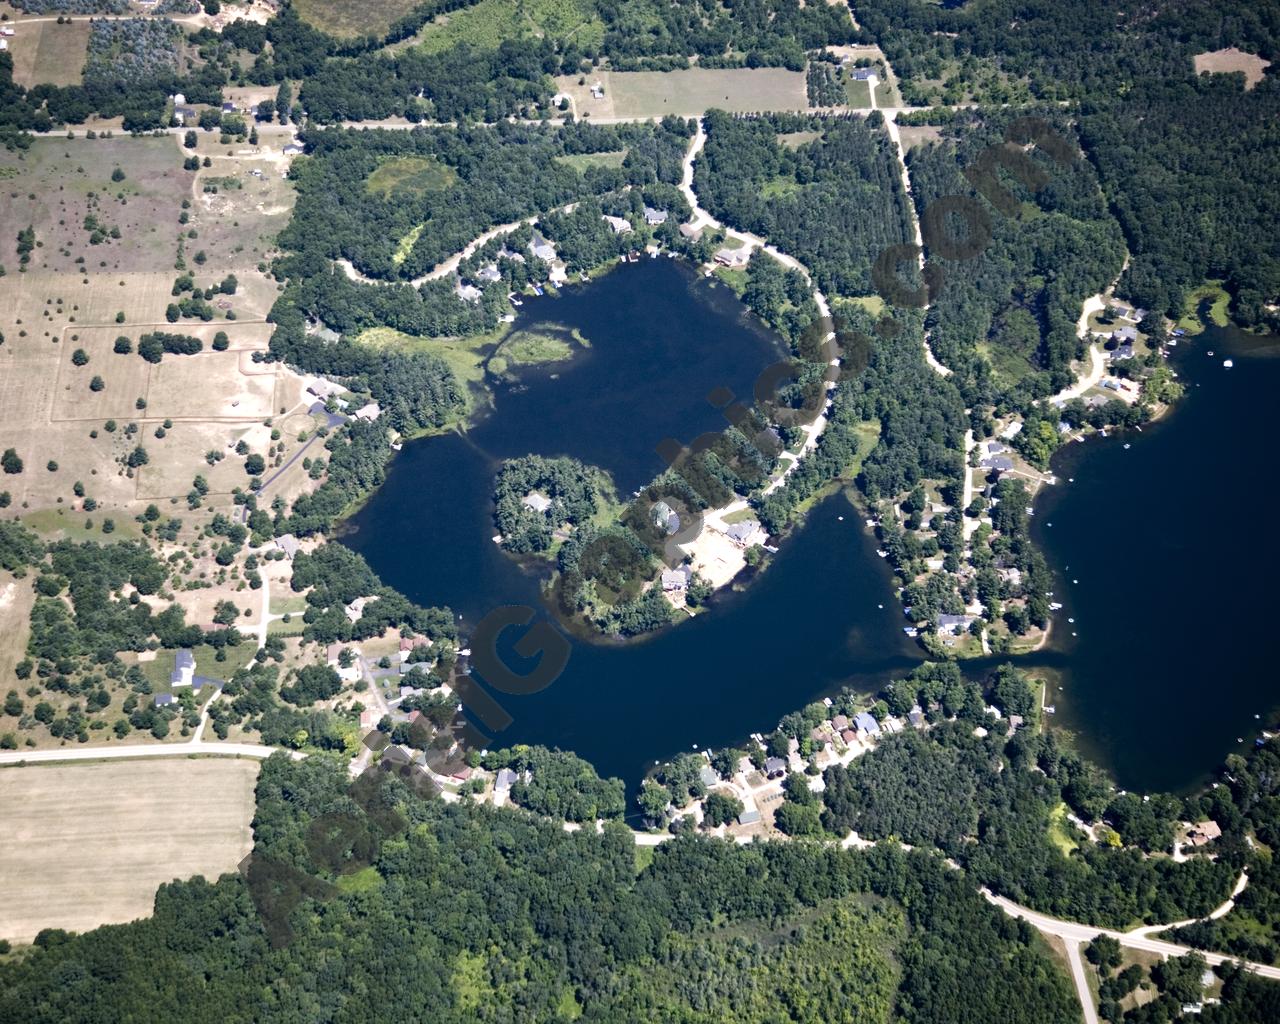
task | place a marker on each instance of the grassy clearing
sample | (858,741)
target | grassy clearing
(489,23)
(524,348)
(794,140)
(688,93)
(858,93)
(1060,830)
(87,844)
(581,161)
(409,176)
(873,304)
(465,356)
(782,185)
(350,19)
(1216,295)
(54,524)
(405,245)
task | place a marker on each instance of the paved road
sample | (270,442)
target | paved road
(1072,931)
(1081,981)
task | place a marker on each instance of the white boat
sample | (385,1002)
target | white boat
(1227,363)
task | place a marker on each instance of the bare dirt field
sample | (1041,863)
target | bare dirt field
(642,94)
(88,844)
(45,52)
(1225,61)
(347,19)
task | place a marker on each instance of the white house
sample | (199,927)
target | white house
(184,668)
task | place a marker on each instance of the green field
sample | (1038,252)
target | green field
(489,23)
(859,93)
(403,176)
(350,19)
(794,140)
(581,161)
(1218,299)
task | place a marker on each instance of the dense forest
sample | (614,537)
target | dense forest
(571,492)
(503,916)
(833,203)
(1188,162)
(1004,306)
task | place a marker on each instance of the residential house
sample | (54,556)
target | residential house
(370,411)
(848,735)
(999,463)
(654,217)
(915,717)
(867,75)
(163,700)
(542,249)
(775,767)
(1204,833)
(288,543)
(293,149)
(506,779)
(744,533)
(750,817)
(866,723)
(840,723)
(707,775)
(333,656)
(676,579)
(953,624)
(689,231)
(467,292)
(536,501)
(355,609)
(733,258)
(620,225)
(324,389)
(489,274)
(229,108)
(597,91)
(184,668)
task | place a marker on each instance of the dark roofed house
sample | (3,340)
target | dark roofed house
(865,75)
(954,624)
(916,716)
(708,776)
(840,723)
(228,107)
(848,735)
(748,817)
(506,779)
(1000,463)
(163,700)
(775,767)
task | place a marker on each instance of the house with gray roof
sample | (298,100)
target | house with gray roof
(866,723)
(775,767)
(184,668)
(654,217)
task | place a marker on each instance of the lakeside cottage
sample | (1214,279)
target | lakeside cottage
(866,723)
(620,225)
(674,580)
(953,624)
(733,258)
(536,501)
(775,767)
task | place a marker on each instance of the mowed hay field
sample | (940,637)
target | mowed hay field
(46,53)
(83,845)
(639,94)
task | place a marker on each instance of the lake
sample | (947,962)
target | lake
(1165,559)
(1167,540)
(660,338)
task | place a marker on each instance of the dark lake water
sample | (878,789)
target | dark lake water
(1168,540)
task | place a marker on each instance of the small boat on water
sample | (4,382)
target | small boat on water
(1227,363)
